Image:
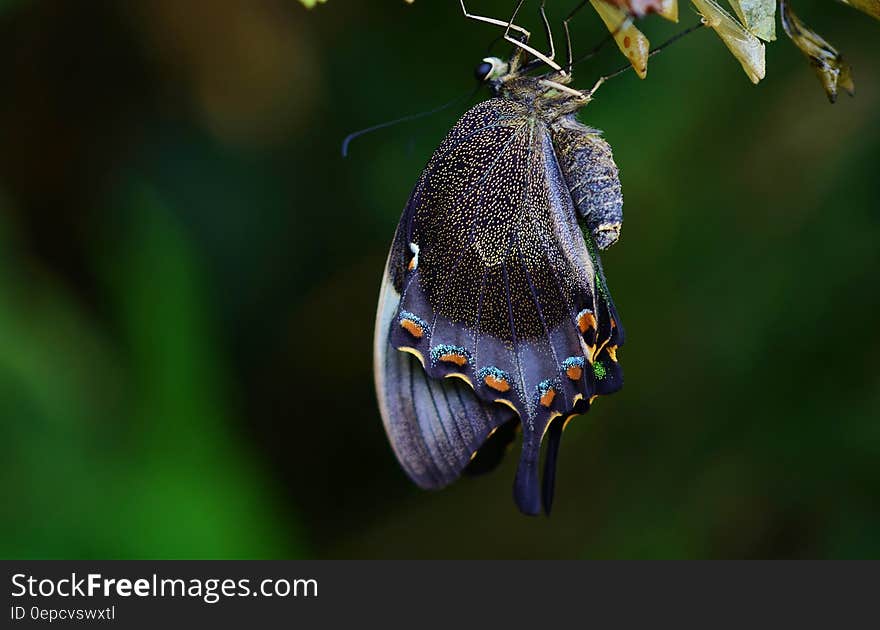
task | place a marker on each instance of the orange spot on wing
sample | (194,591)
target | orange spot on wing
(547,398)
(412,263)
(586,320)
(626,41)
(574,373)
(612,353)
(498,384)
(455,358)
(412,328)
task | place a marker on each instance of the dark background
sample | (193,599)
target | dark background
(189,270)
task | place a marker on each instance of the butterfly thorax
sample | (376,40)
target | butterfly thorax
(547,95)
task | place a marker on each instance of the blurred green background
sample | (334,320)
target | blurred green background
(188,276)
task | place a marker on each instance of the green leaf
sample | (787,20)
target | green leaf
(310,3)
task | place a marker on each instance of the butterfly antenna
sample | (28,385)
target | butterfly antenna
(598,47)
(595,50)
(404,119)
(651,53)
(677,37)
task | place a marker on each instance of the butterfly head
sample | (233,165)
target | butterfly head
(548,92)
(491,69)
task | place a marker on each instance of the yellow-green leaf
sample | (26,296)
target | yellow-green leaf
(310,3)
(631,41)
(832,70)
(748,49)
(758,16)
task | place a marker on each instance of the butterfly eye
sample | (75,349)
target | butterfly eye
(482,71)
(490,68)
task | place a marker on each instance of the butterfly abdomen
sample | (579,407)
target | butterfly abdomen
(592,177)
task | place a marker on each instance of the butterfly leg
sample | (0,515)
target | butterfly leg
(553,85)
(589,93)
(547,31)
(521,43)
(597,47)
(529,49)
(565,22)
(509,25)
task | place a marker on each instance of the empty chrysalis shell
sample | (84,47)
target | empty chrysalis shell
(748,49)
(830,67)
(630,40)
(758,16)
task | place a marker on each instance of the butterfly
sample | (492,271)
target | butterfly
(494,314)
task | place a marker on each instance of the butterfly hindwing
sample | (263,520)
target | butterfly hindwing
(434,425)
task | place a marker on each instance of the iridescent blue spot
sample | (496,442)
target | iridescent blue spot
(492,371)
(571,362)
(545,386)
